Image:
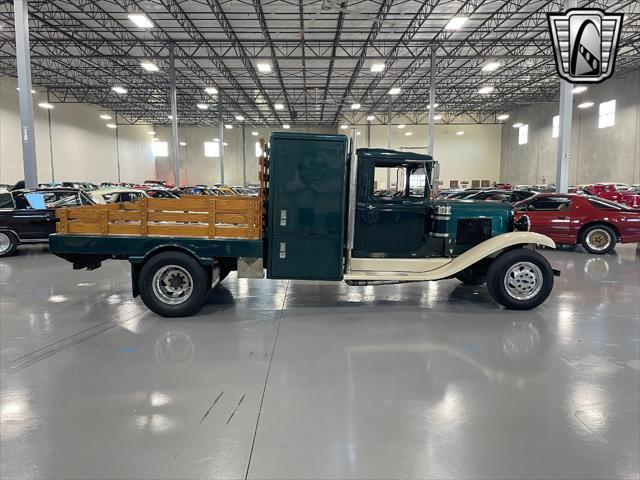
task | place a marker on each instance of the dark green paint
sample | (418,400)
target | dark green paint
(307,182)
(136,249)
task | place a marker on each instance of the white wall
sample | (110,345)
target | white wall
(597,154)
(83,148)
(196,168)
(472,156)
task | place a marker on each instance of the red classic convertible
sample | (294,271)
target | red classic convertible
(597,224)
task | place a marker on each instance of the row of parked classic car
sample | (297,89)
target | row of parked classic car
(595,216)
(28,216)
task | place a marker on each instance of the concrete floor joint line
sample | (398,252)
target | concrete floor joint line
(266,380)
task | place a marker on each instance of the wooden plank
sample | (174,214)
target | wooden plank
(233,218)
(157,216)
(144,216)
(91,228)
(130,215)
(124,229)
(183,230)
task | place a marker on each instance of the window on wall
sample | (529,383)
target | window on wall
(211,149)
(523,134)
(555,131)
(160,149)
(607,114)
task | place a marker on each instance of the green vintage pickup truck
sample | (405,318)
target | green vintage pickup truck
(324,219)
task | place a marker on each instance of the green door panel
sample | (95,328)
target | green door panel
(302,257)
(307,184)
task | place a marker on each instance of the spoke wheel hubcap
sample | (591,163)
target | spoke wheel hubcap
(5,242)
(172,284)
(598,239)
(523,280)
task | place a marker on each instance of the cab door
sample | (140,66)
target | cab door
(389,225)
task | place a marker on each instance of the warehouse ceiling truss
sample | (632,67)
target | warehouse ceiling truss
(299,62)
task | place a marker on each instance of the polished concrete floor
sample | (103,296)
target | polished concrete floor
(278,379)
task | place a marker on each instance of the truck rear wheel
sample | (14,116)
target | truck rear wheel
(173,284)
(520,279)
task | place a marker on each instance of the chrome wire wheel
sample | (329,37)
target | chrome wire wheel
(598,239)
(5,243)
(523,280)
(172,284)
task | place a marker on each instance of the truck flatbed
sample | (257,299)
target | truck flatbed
(83,250)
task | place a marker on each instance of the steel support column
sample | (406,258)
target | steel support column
(432,100)
(564,134)
(174,117)
(23,62)
(221,135)
(118,149)
(244,155)
(368,133)
(53,172)
(389,142)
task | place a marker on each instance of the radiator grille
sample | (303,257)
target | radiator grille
(471,231)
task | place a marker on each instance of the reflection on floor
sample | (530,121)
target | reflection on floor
(279,379)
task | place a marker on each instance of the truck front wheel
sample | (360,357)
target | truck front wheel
(520,279)
(173,284)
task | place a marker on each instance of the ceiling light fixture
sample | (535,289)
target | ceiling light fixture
(254,134)
(211,90)
(408,134)
(485,90)
(104,116)
(120,90)
(111,125)
(46,105)
(579,89)
(503,116)
(377,67)
(401,126)
(370,118)
(240,118)
(459,132)
(586,105)
(355,106)
(278,106)
(344,127)
(149,66)
(151,132)
(286,126)
(437,117)
(183,144)
(518,125)
(264,68)
(435,105)
(491,66)
(202,106)
(394,91)
(455,23)
(228,126)
(140,20)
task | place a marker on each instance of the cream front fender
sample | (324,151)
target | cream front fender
(421,269)
(496,244)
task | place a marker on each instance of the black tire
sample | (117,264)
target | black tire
(167,278)
(8,243)
(598,239)
(532,279)
(469,277)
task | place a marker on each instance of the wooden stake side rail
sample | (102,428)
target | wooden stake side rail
(188,216)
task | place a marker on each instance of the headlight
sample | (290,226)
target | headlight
(523,224)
